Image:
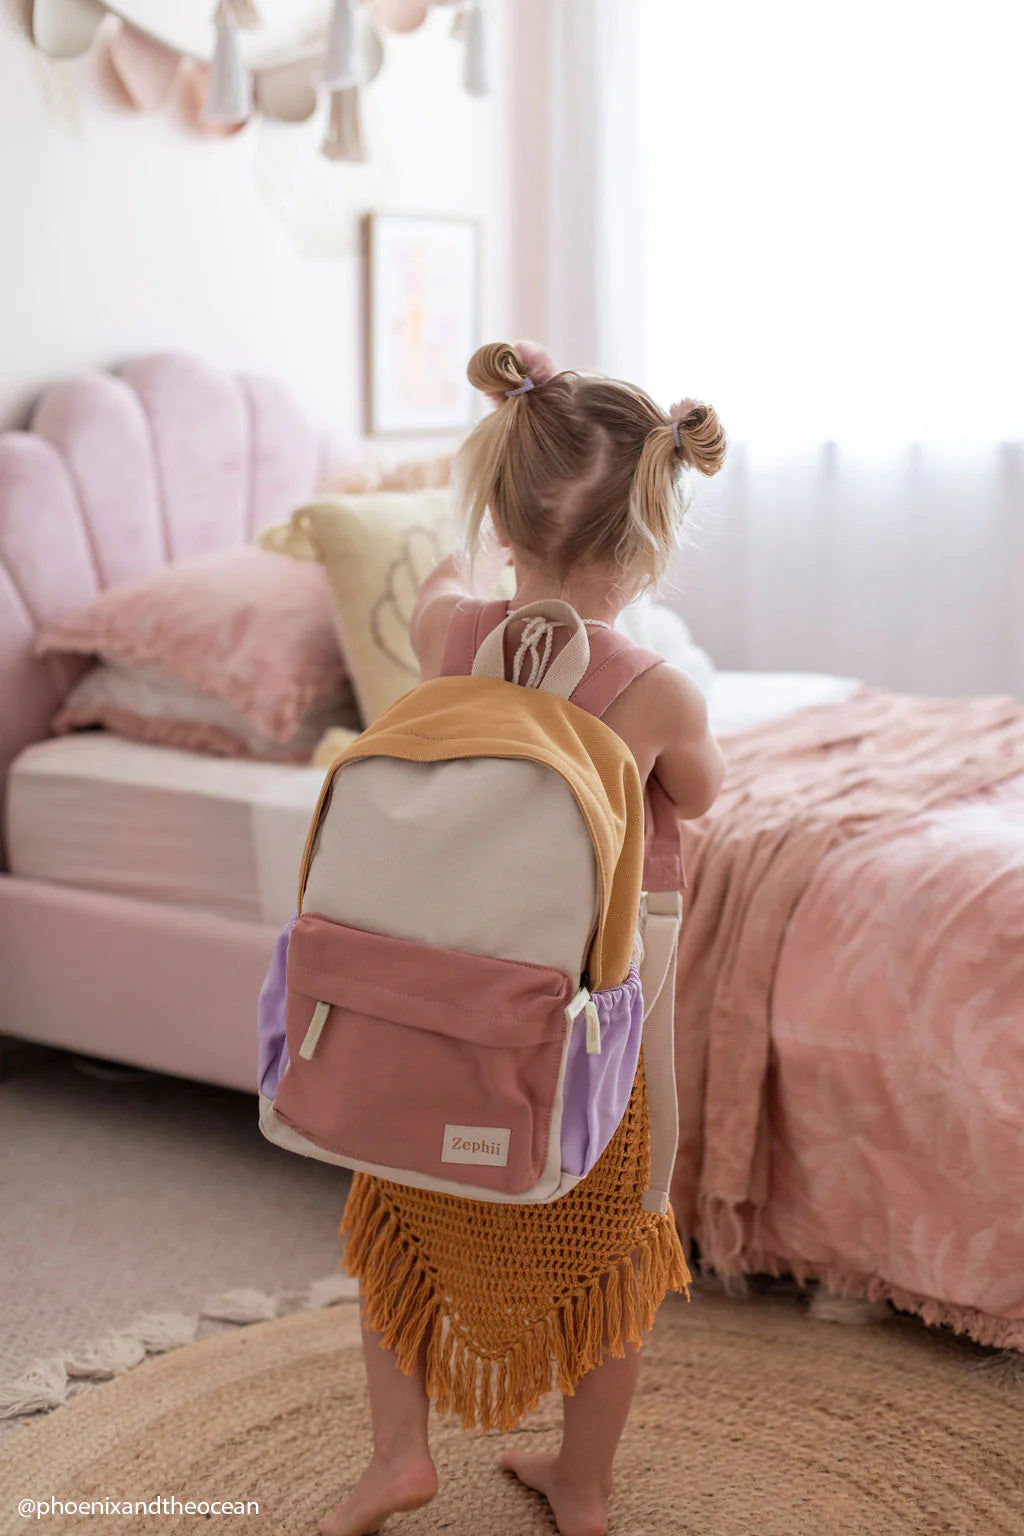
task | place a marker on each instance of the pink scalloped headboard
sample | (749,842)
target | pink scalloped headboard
(121,474)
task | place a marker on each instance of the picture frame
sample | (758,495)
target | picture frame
(422,322)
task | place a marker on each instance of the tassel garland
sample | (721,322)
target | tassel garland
(219,98)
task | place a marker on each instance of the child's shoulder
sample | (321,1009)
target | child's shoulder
(662,717)
(666,700)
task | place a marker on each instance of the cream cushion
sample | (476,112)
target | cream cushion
(376,549)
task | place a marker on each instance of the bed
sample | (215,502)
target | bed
(120,475)
(143,887)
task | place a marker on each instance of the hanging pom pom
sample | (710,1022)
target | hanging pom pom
(227,96)
(401,15)
(344,137)
(340,62)
(65,29)
(287,92)
(474,32)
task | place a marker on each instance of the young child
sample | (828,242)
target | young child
(479,1306)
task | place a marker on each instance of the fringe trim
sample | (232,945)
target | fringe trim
(403,1303)
(982,1327)
(721,1234)
(50,1382)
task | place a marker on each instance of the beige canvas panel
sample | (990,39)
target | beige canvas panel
(467,717)
(519,881)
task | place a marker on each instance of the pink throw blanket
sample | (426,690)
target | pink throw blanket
(795,791)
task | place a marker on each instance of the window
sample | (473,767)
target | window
(833,243)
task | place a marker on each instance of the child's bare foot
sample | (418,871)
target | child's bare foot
(385,1488)
(580,1508)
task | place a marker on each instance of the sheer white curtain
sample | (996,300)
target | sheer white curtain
(809,215)
(835,244)
(577,201)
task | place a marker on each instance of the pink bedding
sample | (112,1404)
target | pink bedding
(850,1008)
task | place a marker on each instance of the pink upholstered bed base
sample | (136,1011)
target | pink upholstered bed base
(157,986)
(118,476)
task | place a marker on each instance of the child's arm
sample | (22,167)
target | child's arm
(442,591)
(438,598)
(664,718)
(690,766)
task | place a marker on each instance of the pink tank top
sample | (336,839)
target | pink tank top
(615,662)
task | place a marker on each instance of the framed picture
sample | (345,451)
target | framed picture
(422,307)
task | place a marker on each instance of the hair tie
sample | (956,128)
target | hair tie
(524,388)
(675,435)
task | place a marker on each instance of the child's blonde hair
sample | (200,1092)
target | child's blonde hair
(578,469)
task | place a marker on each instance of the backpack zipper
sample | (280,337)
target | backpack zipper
(314,1031)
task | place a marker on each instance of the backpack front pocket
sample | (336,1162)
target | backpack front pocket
(409,1057)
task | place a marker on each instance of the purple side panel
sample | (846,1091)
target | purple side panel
(597,1088)
(270,1016)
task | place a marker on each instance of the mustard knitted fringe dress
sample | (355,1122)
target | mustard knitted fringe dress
(512,1300)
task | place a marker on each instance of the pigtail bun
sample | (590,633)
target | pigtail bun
(495,368)
(702,441)
(693,437)
(500,367)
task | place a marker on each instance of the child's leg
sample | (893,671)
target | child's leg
(577,1482)
(400,1474)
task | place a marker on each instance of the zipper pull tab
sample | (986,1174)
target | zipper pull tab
(576,1005)
(593,1028)
(316,1025)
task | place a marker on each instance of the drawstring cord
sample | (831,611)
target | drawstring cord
(537,639)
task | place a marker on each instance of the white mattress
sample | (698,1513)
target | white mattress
(96,811)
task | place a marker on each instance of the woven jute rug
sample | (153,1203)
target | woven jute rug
(751,1419)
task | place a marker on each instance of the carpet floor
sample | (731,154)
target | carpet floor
(750,1420)
(142,1195)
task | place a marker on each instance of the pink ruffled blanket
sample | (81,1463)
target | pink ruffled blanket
(819,810)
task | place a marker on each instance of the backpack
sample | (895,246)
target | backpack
(458,1004)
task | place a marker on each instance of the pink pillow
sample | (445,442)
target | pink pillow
(246,626)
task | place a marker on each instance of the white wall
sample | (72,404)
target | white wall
(125,234)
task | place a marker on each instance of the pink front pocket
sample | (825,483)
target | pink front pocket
(429,1060)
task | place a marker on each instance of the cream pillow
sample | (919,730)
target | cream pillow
(376,549)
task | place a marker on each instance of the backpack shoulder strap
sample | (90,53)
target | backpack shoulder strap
(615,663)
(469,626)
(618,663)
(658,982)
(663,842)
